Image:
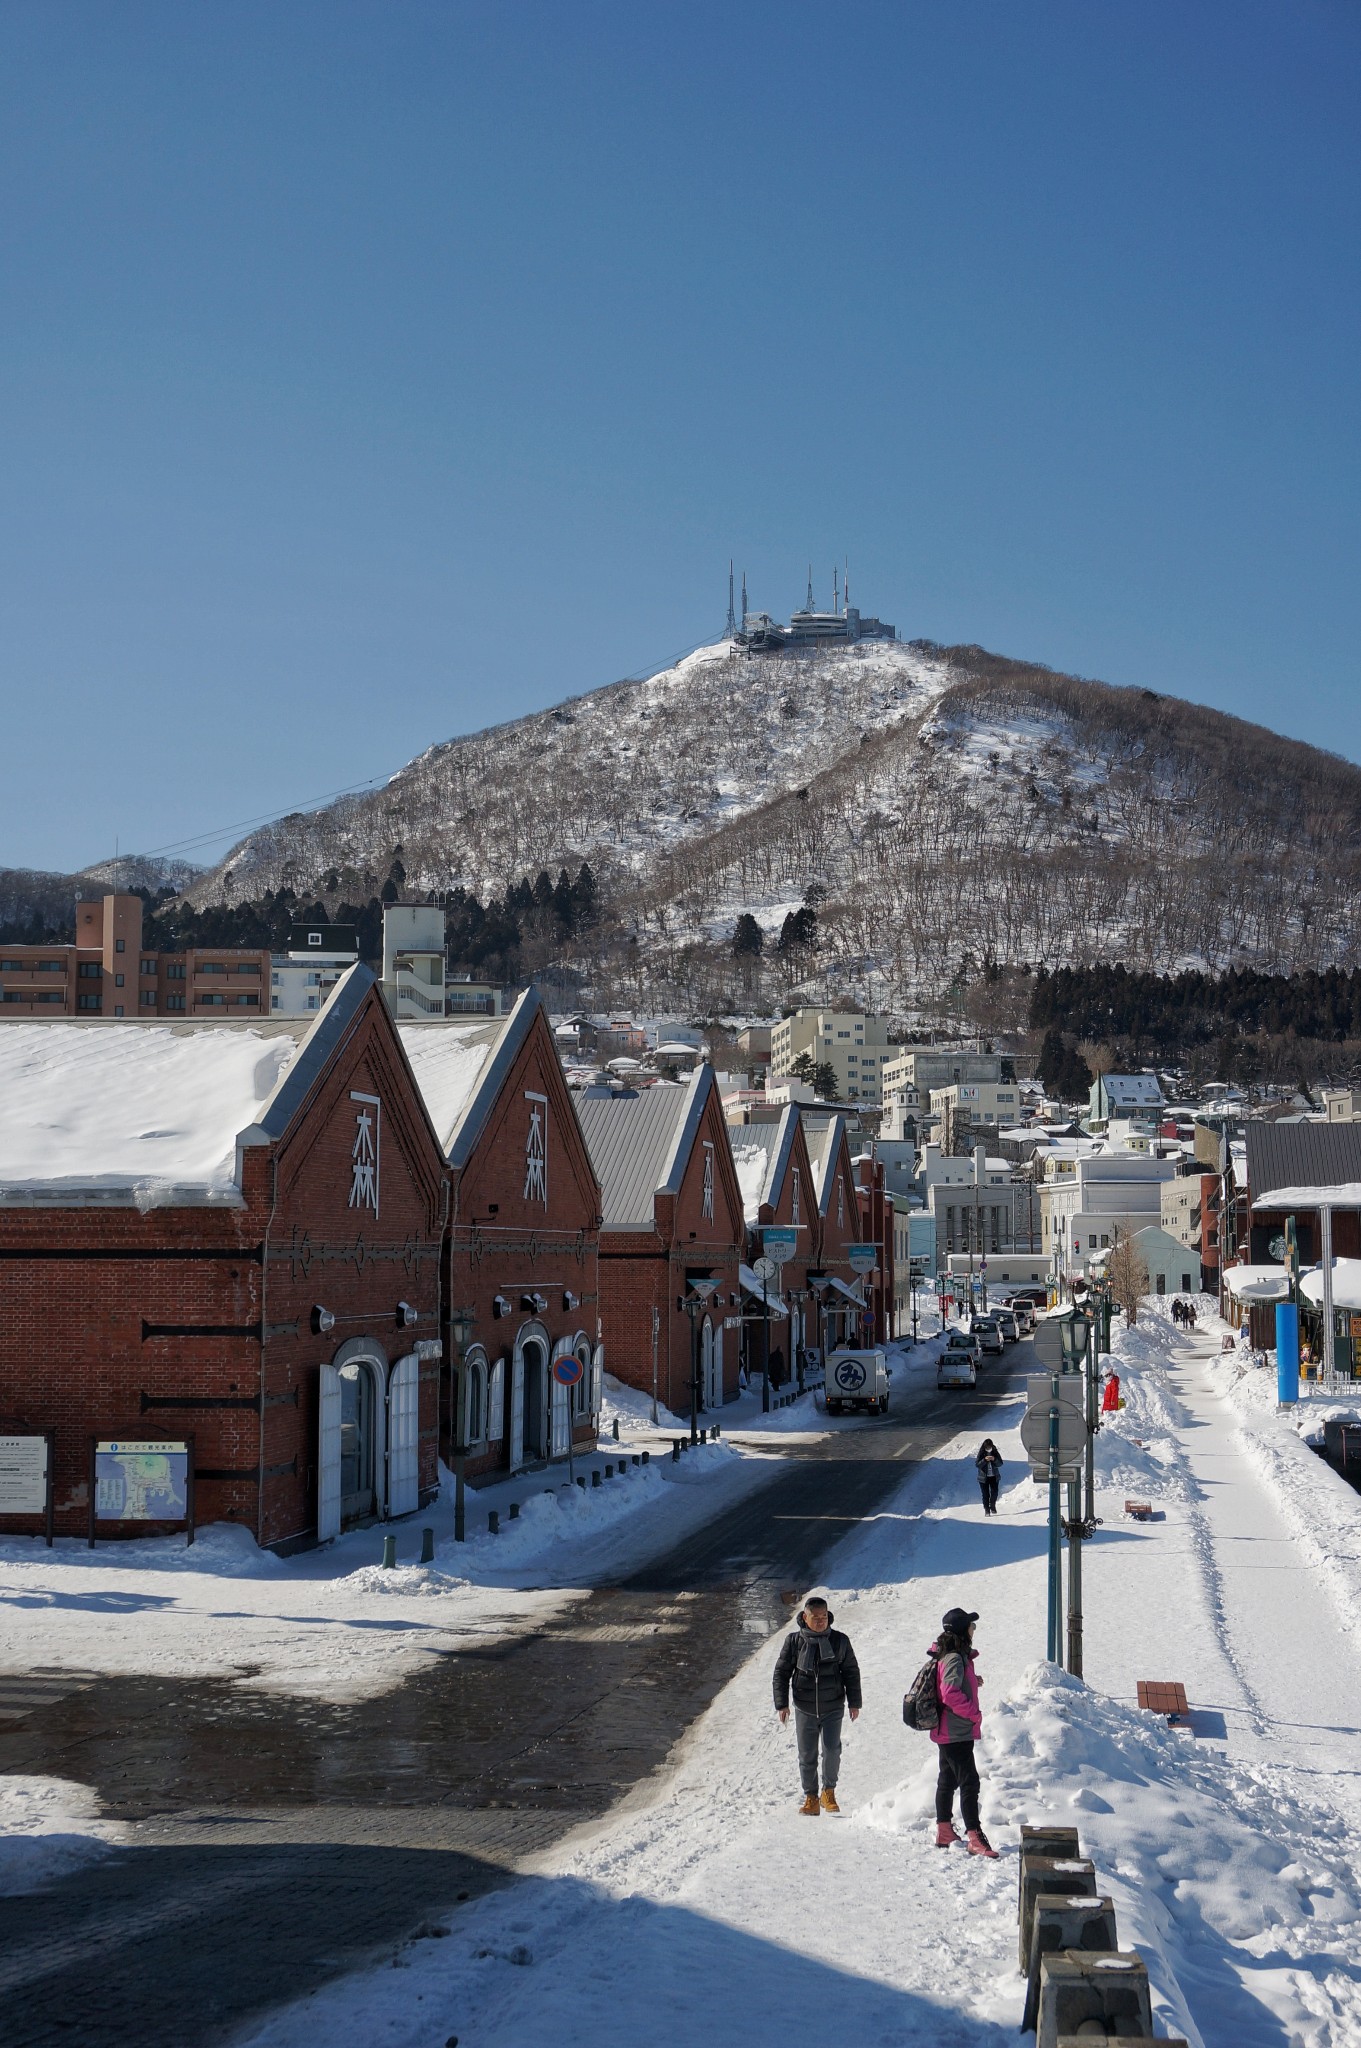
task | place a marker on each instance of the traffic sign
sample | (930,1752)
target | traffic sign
(1072,1426)
(568,1369)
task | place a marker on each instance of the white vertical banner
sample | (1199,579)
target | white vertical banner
(328,1456)
(403,1436)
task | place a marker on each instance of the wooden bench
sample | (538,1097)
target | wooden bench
(1141,1510)
(1166,1697)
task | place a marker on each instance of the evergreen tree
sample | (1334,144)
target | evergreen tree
(748,940)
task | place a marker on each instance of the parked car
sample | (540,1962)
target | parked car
(856,1380)
(965,1341)
(1007,1322)
(1024,1312)
(988,1333)
(957,1367)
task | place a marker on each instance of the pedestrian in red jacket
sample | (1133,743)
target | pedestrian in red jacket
(959,1727)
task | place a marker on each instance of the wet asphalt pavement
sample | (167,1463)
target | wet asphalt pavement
(277,1843)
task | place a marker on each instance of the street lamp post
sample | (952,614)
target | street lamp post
(1079,1357)
(695,1299)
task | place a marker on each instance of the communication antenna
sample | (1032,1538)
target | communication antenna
(846,585)
(732,622)
(809,604)
(744,600)
(836,592)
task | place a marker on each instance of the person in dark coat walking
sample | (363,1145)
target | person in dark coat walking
(989,1464)
(959,1727)
(817,1665)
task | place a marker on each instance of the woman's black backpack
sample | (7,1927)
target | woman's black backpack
(921,1701)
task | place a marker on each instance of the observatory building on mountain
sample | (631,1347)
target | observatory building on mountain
(761,634)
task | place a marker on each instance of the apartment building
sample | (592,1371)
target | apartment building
(926,1067)
(856,1048)
(109,972)
(981,1102)
(1085,1208)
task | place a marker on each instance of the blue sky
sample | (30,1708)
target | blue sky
(370,373)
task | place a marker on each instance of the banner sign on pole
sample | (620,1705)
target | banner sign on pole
(863,1257)
(780,1243)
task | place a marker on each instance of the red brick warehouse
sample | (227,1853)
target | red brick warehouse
(522,1247)
(672,1215)
(231,1231)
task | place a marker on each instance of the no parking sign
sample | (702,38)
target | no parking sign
(568,1369)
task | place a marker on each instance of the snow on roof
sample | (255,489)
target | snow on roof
(1346,1284)
(448,1061)
(754,1149)
(148,1112)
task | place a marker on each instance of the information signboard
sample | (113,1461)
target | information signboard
(23,1475)
(146,1480)
(863,1257)
(780,1243)
(26,1476)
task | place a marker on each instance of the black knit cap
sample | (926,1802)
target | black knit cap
(957,1620)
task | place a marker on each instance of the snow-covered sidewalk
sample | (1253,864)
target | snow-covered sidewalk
(707,1908)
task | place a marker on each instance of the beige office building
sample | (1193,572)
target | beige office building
(855,1047)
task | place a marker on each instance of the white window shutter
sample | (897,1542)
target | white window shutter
(404,1414)
(598,1380)
(496,1402)
(562,1419)
(328,1456)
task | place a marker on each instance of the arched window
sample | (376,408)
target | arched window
(475,1396)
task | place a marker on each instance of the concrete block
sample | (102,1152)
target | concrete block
(1065,1923)
(1093,1995)
(1045,1841)
(1067,1876)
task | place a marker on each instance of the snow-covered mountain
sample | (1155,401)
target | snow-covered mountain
(948,807)
(621,776)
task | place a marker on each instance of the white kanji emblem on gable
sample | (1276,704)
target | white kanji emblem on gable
(707,1205)
(364,1156)
(840,1203)
(536,1149)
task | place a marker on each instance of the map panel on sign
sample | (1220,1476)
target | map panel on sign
(141,1482)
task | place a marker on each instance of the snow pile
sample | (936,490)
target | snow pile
(48,1828)
(140,1108)
(448,1061)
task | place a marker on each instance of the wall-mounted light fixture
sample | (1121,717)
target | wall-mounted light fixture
(407,1315)
(500,1306)
(534,1304)
(323,1320)
(570,1300)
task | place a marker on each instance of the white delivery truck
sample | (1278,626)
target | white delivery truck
(856,1379)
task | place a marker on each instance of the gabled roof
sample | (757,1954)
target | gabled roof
(1282,1155)
(761,1153)
(1139,1090)
(155,1114)
(461,1066)
(640,1145)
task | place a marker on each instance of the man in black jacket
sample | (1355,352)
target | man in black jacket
(818,1664)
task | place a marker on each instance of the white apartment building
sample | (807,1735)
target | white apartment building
(970,1200)
(1086,1203)
(982,1102)
(301,978)
(413,959)
(854,1046)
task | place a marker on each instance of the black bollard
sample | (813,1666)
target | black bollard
(615,1427)
(647,1457)
(581,1482)
(427,1546)
(493,1523)
(515,1511)
(595,1476)
(675,1450)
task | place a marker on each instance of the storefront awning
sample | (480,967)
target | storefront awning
(849,1292)
(753,1285)
(1257,1283)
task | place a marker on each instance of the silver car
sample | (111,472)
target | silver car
(1008,1322)
(987,1333)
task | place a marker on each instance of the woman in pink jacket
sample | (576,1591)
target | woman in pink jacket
(959,1727)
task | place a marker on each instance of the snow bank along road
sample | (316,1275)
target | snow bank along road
(274,1843)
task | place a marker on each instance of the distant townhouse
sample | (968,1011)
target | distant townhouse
(110,972)
(1139,1096)
(672,1239)
(839,1292)
(521,1282)
(776,1177)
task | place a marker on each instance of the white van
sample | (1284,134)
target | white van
(856,1379)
